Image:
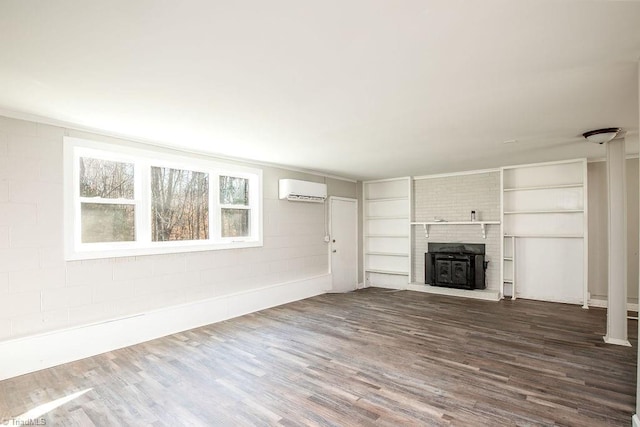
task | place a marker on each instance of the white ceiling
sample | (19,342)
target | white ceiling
(356,88)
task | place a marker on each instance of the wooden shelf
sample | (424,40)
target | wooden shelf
(545,187)
(387,217)
(545,211)
(396,273)
(387,199)
(387,235)
(455,222)
(482,225)
(387,254)
(548,236)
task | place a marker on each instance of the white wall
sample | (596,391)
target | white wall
(40,292)
(598,231)
(453,198)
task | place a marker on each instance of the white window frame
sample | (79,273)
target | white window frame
(252,215)
(143,159)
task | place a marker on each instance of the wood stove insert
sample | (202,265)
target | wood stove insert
(456,265)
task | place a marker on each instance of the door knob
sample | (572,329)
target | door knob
(334,251)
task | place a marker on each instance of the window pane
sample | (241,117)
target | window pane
(107,179)
(107,223)
(179,204)
(235,222)
(234,191)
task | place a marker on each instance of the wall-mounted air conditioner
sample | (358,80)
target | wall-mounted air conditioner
(302,191)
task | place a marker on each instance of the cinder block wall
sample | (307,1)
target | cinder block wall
(40,292)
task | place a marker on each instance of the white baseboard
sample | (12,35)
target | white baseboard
(28,354)
(635,420)
(602,303)
(616,341)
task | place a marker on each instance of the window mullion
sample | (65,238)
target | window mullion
(143,206)
(215,207)
(103,201)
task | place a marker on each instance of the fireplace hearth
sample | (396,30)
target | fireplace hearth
(455,265)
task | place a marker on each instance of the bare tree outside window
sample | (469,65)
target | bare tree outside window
(179,204)
(106,179)
(107,223)
(101,219)
(234,191)
(234,199)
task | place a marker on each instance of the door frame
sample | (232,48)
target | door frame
(330,245)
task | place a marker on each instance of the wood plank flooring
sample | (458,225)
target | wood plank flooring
(372,357)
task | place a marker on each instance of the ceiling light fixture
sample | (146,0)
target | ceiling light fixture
(600,136)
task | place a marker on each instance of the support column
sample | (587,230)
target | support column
(617,295)
(635,419)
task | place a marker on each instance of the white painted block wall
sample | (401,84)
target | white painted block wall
(453,198)
(41,292)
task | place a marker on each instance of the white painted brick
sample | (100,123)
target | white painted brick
(295,264)
(52,256)
(225,258)
(55,299)
(279,266)
(51,170)
(36,279)
(4,191)
(128,269)
(128,306)
(17,213)
(169,282)
(50,217)
(89,272)
(167,264)
(167,299)
(35,236)
(4,237)
(34,147)
(112,291)
(258,270)
(47,321)
(50,132)
(201,292)
(87,314)
(18,259)
(3,144)
(21,303)
(5,329)
(198,260)
(42,193)
(12,168)
(18,127)
(4,284)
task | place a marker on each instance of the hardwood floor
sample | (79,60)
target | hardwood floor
(371,357)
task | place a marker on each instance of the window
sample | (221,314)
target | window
(235,210)
(107,202)
(122,201)
(179,204)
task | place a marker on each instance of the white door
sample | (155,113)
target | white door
(343,220)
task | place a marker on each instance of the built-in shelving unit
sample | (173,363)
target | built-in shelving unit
(544,220)
(387,233)
(509,268)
